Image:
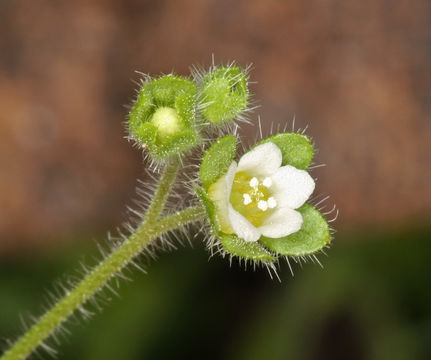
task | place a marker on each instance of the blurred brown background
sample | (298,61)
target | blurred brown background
(356,72)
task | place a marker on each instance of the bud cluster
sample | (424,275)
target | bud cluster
(170,112)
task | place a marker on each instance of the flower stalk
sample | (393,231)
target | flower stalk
(150,229)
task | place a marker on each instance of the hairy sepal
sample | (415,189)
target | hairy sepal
(217,159)
(210,209)
(297,149)
(245,250)
(313,236)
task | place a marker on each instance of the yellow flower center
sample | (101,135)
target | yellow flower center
(251,197)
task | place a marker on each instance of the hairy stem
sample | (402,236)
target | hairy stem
(150,229)
(163,190)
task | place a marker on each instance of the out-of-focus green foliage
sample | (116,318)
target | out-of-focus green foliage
(371,301)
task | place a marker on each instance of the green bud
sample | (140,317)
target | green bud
(163,116)
(224,93)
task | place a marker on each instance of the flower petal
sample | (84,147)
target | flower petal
(263,160)
(243,228)
(282,222)
(230,176)
(291,186)
(219,193)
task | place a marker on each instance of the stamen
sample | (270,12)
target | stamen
(267,182)
(247,199)
(262,205)
(254,182)
(272,203)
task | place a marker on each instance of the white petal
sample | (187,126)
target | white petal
(263,160)
(230,176)
(219,192)
(291,186)
(282,222)
(242,227)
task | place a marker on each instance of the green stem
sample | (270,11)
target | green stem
(149,229)
(163,190)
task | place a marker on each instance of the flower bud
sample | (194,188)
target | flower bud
(163,116)
(224,93)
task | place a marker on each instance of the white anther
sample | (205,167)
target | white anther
(262,205)
(247,199)
(267,182)
(272,203)
(254,182)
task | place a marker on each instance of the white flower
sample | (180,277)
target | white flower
(258,196)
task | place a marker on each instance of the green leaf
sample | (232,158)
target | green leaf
(246,250)
(296,149)
(313,236)
(225,94)
(217,159)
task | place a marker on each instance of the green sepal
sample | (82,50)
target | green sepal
(210,209)
(313,236)
(166,89)
(297,149)
(245,250)
(217,159)
(141,111)
(162,147)
(185,107)
(225,94)
(171,95)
